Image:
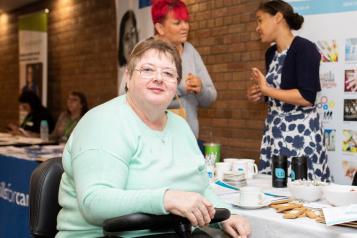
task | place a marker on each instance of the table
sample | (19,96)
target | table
(266,223)
(16,166)
(7,139)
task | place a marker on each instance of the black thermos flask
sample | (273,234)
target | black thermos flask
(298,168)
(279,171)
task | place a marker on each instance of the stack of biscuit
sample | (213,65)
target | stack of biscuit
(292,210)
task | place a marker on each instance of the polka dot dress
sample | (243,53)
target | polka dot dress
(292,130)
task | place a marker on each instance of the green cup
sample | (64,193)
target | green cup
(213,150)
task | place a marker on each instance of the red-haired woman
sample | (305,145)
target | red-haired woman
(170,18)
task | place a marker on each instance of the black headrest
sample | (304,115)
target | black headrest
(44,207)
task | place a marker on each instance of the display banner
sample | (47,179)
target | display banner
(134,24)
(331,25)
(33,54)
(14,196)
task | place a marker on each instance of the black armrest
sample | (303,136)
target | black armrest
(142,221)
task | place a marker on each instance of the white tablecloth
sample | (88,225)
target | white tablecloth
(266,223)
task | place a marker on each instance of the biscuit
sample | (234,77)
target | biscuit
(310,214)
(320,219)
(282,201)
(293,214)
(288,207)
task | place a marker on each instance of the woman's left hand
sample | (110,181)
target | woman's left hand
(236,226)
(258,77)
(193,84)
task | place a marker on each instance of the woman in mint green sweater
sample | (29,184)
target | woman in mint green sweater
(130,155)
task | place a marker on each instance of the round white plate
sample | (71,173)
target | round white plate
(254,206)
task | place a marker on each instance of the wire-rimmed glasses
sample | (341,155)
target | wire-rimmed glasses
(150,71)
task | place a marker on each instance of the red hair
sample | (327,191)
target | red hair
(161,8)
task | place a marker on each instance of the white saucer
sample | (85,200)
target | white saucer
(252,206)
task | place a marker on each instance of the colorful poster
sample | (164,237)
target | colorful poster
(134,24)
(33,55)
(329,23)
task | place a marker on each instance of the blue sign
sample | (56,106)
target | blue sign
(144,3)
(14,196)
(310,7)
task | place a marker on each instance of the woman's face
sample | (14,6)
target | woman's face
(74,104)
(130,39)
(25,107)
(155,91)
(266,26)
(173,29)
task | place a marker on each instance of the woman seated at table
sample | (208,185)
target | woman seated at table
(131,155)
(36,112)
(77,106)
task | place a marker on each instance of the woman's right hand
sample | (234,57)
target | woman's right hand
(197,209)
(254,94)
(193,84)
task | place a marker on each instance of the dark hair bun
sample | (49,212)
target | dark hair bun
(294,21)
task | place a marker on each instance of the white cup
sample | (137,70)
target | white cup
(247,166)
(251,196)
(221,168)
(230,160)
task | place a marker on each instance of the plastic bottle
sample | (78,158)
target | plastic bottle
(44,130)
(209,161)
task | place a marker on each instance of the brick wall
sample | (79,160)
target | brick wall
(223,31)
(82,56)
(9,70)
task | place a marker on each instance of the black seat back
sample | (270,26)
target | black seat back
(44,207)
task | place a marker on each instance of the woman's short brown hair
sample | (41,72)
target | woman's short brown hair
(162,47)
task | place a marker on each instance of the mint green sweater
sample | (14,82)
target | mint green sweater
(115,165)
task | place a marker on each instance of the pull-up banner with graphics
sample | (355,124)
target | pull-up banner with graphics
(33,54)
(134,25)
(331,25)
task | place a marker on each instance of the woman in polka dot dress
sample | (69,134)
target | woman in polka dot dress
(293,126)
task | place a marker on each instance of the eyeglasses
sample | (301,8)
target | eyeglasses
(150,72)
